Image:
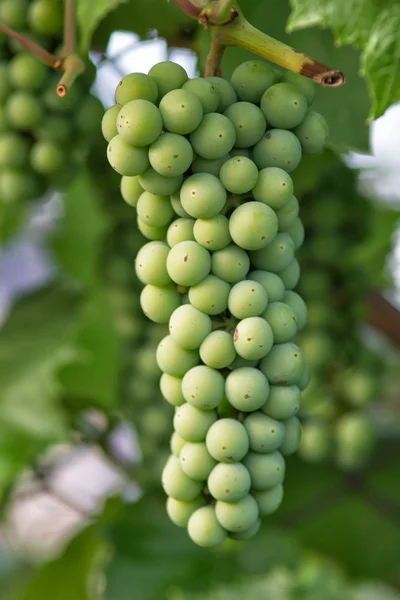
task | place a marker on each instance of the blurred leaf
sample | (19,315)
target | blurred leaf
(77,243)
(89,14)
(372,26)
(34,343)
(93,376)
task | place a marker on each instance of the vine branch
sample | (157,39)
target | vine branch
(46,57)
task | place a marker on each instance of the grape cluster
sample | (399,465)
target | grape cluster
(207,163)
(42,136)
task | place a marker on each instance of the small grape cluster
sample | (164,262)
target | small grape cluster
(206,163)
(42,136)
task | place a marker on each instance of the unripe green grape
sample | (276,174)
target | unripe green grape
(109,122)
(284,364)
(212,233)
(217,350)
(214,137)
(266,470)
(203,387)
(204,528)
(15,185)
(158,303)
(230,264)
(247,534)
(139,122)
(296,232)
(177,484)
(253,225)
(189,327)
(239,175)
(253,338)
(283,402)
(177,205)
(316,442)
(175,360)
(151,264)
(193,424)
(227,441)
(278,148)
(14,149)
(284,105)
(45,17)
(27,72)
(265,434)
(248,121)
(359,386)
(226,92)
(135,86)
(205,91)
(177,442)
(125,159)
(13,13)
(131,190)
(168,76)
(202,195)
(150,232)
(291,275)
(188,263)
(305,85)
(210,295)
(171,389)
(55,129)
(180,230)
(24,111)
(153,182)
(354,436)
(170,155)
(246,389)
(274,187)
(204,165)
(312,133)
(247,299)
(181,111)
(288,214)
(88,115)
(291,442)
(179,512)
(46,157)
(229,482)
(237,516)
(251,78)
(270,500)
(196,461)
(154,210)
(276,256)
(271,283)
(282,321)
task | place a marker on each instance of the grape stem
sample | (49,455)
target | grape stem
(73,66)
(69,27)
(46,57)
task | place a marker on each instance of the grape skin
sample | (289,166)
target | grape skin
(170,155)
(204,528)
(196,461)
(180,512)
(131,190)
(126,159)
(214,137)
(139,122)
(154,210)
(136,86)
(230,264)
(188,263)
(284,105)
(269,500)
(253,338)
(246,389)
(205,92)
(278,148)
(292,439)
(109,122)
(274,187)
(282,321)
(151,264)
(180,230)
(226,92)
(266,470)
(153,182)
(276,256)
(203,387)
(202,196)
(251,78)
(217,350)
(176,444)
(193,424)
(173,359)
(229,482)
(176,483)
(239,174)
(171,389)
(283,402)
(210,295)
(167,76)
(249,123)
(265,434)
(237,516)
(189,326)
(212,233)
(227,441)
(247,299)
(284,364)
(159,302)
(181,111)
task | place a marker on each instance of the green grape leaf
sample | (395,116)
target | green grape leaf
(89,14)
(77,243)
(34,343)
(370,25)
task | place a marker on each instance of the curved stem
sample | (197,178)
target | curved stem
(214,60)
(193,9)
(46,57)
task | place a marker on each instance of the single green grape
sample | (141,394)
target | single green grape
(292,439)
(271,283)
(247,299)
(296,232)
(247,534)
(230,264)
(175,360)
(202,195)
(288,214)
(205,91)
(278,148)
(204,528)
(227,441)
(181,111)
(139,122)
(196,461)
(176,483)
(212,233)
(16,185)
(171,389)
(170,155)
(131,190)
(251,78)
(274,187)
(270,500)
(305,85)
(282,321)
(284,105)
(246,389)
(229,482)
(189,327)
(253,225)
(168,76)
(265,434)
(203,387)
(205,165)
(291,275)
(239,175)
(217,350)
(266,470)
(45,17)
(312,133)
(210,295)
(136,86)
(214,137)
(150,232)
(237,516)
(276,256)
(153,182)
(14,150)
(154,210)
(249,123)
(151,264)
(177,442)
(125,159)
(47,157)
(193,424)
(316,442)
(23,111)
(354,436)
(26,72)
(180,512)
(158,303)
(253,338)
(177,205)
(284,364)
(226,92)
(298,306)
(89,115)
(109,122)
(188,263)
(180,230)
